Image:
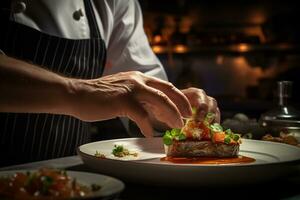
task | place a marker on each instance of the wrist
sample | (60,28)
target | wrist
(70,95)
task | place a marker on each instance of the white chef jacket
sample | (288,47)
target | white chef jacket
(120,23)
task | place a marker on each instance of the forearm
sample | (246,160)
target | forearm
(28,88)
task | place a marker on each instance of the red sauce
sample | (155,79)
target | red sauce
(208,160)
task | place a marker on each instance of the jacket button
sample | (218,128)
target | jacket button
(18,7)
(78,14)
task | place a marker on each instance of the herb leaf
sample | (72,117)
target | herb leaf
(47,181)
(194,111)
(174,134)
(117,150)
(236,137)
(167,139)
(227,140)
(181,137)
(120,151)
(228,131)
(216,127)
(209,118)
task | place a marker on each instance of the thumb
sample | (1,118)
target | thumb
(135,111)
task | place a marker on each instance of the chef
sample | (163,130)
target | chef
(66,63)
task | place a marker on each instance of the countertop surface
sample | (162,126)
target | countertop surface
(286,188)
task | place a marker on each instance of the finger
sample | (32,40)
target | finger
(202,110)
(179,99)
(213,108)
(139,115)
(197,98)
(200,102)
(212,104)
(218,116)
(160,106)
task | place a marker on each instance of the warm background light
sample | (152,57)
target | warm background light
(243,47)
(157,49)
(180,48)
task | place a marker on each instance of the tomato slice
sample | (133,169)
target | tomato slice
(206,131)
(218,137)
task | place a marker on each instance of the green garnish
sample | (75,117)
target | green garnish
(231,135)
(227,139)
(99,155)
(216,127)
(120,151)
(47,181)
(181,137)
(31,178)
(177,134)
(236,137)
(228,131)
(168,139)
(174,134)
(209,118)
(194,111)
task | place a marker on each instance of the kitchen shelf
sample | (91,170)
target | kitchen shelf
(241,48)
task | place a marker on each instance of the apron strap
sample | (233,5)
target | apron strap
(94,29)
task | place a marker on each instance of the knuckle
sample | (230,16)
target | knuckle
(197,90)
(137,73)
(193,88)
(136,77)
(170,85)
(160,93)
(134,81)
(163,96)
(214,101)
(203,106)
(199,93)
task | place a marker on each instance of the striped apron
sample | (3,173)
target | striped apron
(26,137)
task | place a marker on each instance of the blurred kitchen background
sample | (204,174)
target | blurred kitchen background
(235,50)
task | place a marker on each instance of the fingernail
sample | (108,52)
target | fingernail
(178,123)
(200,115)
(187,112)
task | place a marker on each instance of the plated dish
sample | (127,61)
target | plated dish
(56,184)
(272,160)
(201,139)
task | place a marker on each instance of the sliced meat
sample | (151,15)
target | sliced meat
(189,148)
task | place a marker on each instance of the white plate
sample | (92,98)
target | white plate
(110,187)
(273,160)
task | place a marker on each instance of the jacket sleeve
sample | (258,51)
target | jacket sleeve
(128,48)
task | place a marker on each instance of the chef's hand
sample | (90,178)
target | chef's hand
(203,103)
(129,94)
(198,100)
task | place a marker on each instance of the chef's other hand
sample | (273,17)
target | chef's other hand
(203,103)
(129,94)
